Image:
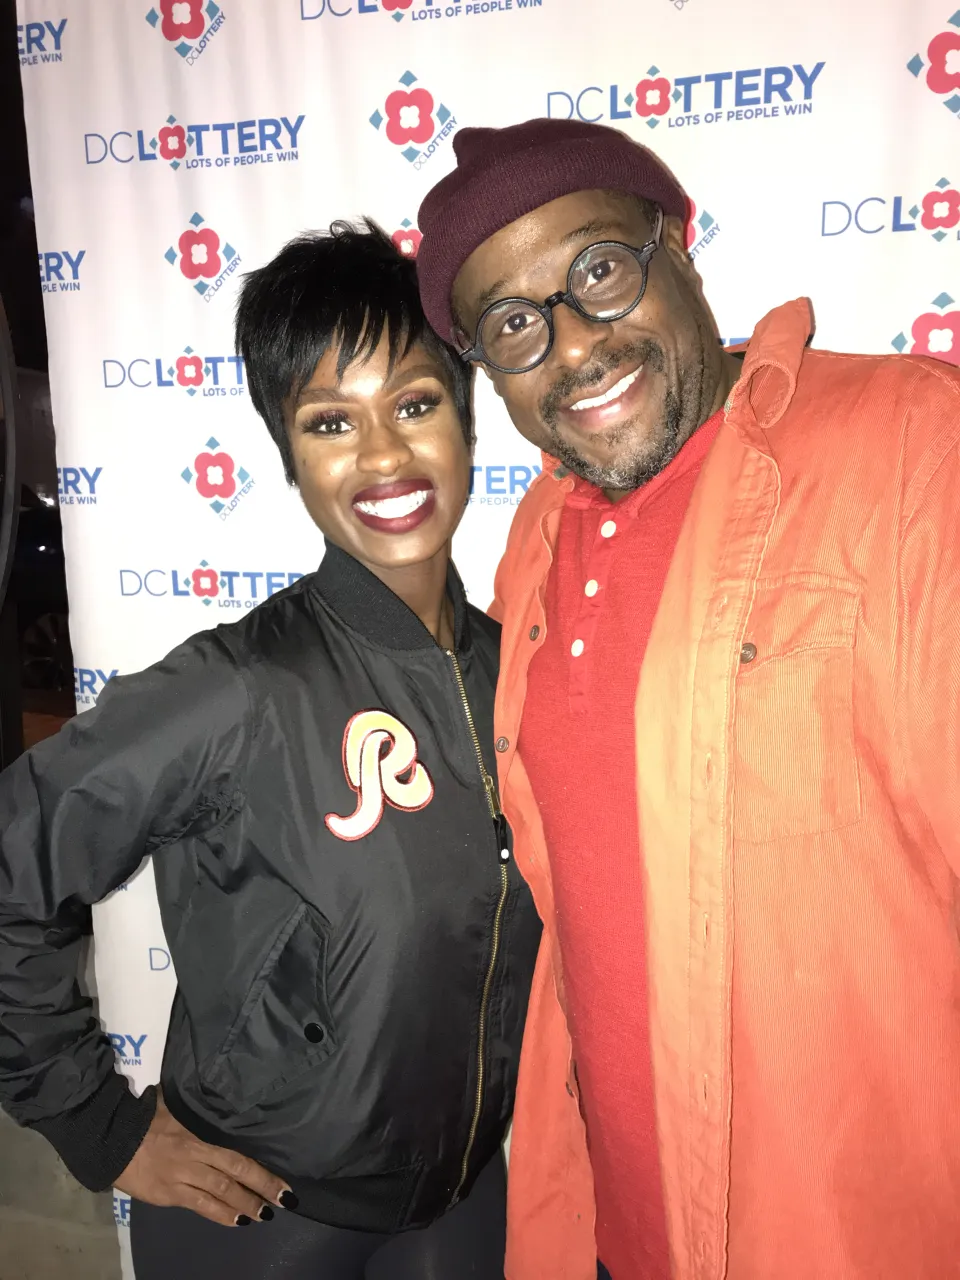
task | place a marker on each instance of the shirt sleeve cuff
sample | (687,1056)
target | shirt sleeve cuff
(98,1139)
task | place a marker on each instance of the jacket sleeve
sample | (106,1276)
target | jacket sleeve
(929,669)
(162,750)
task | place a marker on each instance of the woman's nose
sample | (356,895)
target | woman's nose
(383,451)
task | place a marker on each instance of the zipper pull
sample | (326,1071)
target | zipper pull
(494,800)
(500,823)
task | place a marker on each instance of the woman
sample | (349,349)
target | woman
(352,941)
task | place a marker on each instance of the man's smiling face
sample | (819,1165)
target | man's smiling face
(614,401)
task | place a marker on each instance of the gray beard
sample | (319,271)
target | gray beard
(631,473)
(650,456)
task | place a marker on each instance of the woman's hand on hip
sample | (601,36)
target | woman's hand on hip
(172,1168)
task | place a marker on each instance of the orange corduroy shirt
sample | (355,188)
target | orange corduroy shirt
(798,791)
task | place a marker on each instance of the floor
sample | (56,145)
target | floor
(50,1227)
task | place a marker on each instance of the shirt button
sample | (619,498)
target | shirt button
(502,743)
(608,528)
(576,648)
(315,1033)
(748,652)
(592,587)
(534,632)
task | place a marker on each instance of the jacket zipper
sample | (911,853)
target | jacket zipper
(493,803)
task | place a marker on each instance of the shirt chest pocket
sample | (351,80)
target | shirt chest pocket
(795,771)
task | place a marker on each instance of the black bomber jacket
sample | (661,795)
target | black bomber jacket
(352,942)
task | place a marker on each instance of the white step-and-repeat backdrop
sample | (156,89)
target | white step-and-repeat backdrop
(175,147)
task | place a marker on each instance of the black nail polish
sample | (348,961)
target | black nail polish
(288,1199)
(243,1220)
(265,1214)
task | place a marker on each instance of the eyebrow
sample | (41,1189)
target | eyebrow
(596,226)
(317,395)
(490,294)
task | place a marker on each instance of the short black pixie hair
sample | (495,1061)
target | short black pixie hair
(343,287)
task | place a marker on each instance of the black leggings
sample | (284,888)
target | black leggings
(467,1243)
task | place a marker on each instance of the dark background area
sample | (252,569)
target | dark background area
(19,277)
(36,663)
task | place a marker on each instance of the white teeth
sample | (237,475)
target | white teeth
(394,508)
(615,392)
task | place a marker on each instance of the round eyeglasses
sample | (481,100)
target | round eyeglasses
(605,282)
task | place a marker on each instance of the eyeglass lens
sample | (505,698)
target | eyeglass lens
(605,280)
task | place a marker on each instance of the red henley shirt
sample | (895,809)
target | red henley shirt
(577,742)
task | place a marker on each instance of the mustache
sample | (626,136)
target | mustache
(645,351)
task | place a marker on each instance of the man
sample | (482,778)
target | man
(728,743)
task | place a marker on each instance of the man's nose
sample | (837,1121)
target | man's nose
(575,338)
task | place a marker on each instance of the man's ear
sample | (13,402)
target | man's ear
(673,239)
(491,375)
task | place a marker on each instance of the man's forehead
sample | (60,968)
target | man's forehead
(558,225)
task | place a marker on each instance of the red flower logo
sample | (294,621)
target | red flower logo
(206,582)
(407,241)
(409,116)
(182,19)
(215,475)
(390,5)
(940,209)
(944,54)
(937,335)
(653,97)
(200,254)
(691,225)
(189,371)
(173,142)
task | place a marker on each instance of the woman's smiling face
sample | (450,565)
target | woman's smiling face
(380,457)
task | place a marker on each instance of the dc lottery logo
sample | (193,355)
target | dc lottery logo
(77,486)
(89,683)
(942,65)
(407,239)
(202,258)
(189,372)
(128,1048)
(41,41)
(752,93)
(189,25)
(411,120)
(933,333)
(500,485)
(216,478)
(201,145)
(227,588)
(702,229)
(936,212)
(423,10)
(60,270)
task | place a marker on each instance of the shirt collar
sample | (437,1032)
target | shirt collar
(583,495)
(771,366)
(766,386)
(369,606)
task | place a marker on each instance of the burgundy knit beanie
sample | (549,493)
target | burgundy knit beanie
(502,174)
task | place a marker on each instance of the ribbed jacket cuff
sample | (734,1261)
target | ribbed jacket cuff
(98,1139)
